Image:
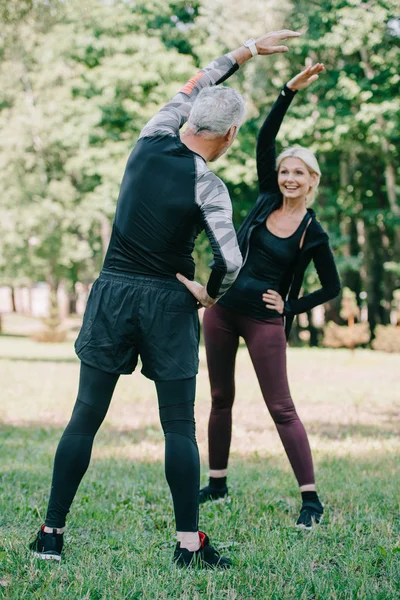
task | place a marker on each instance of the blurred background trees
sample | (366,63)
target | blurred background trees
(79,80)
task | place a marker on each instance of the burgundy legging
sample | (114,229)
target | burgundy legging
(266,343)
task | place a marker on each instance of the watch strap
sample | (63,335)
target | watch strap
(251,45)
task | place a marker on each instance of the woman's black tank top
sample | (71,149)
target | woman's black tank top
(268,259)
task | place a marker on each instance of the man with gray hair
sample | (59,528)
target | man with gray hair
(215,110)
(138,307)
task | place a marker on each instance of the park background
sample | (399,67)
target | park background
(78,80)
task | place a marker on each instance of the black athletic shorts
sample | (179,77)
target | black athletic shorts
(128,316)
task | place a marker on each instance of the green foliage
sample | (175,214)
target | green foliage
(79,80)
(74,98)
(350,118)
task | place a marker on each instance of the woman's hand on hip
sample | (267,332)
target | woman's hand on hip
(199,291)
(274,301)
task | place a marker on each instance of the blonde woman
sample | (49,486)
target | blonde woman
(278,240)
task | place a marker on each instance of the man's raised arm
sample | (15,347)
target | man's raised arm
(173,115)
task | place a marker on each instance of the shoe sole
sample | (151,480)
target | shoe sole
(216,500)
(45,556)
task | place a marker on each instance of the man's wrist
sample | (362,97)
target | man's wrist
(252,46)
(241,55)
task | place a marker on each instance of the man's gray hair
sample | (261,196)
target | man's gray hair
(216,110)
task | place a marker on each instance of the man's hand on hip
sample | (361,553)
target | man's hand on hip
(199,291)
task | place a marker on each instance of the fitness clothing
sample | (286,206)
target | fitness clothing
(268,258)
(168,195)
(137,307)
(129,315)
(176,405)
(266,344)
(316,242)
(278,266)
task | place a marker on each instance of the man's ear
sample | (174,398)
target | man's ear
(230,136)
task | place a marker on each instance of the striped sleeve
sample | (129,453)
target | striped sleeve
(215,205)
(173,115)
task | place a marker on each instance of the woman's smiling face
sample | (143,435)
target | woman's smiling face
(294,178)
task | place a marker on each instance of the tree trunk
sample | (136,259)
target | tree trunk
(72,300)
(294,337)
(30,302)
(332,311)
(54,310)
(13,302)
(388,279)
(374,279)
(354,277)
(314,341)
(350,278)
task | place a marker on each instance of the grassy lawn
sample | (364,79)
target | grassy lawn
(120,535)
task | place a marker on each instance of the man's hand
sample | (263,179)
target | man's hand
(305,78)
(274,301)
(269,43)
(199,291)
(266,44)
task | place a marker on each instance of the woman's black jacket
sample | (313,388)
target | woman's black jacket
(316,241)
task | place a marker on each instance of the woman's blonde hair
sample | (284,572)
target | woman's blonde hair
(309,160)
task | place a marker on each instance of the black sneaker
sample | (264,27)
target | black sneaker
(310,515)
(47,545)
(205,557)
(211,493)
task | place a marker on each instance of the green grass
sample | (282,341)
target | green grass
(120,531)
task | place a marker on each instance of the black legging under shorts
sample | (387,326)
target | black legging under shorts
(182,467)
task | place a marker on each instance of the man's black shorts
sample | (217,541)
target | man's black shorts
(128,316)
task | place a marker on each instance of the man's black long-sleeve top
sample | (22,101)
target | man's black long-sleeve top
(168,195)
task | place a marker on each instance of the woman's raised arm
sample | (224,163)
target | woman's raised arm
(266,155)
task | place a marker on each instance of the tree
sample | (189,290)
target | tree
(77,83)
(74,96)
(350,118)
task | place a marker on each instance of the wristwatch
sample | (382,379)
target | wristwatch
(251,45)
